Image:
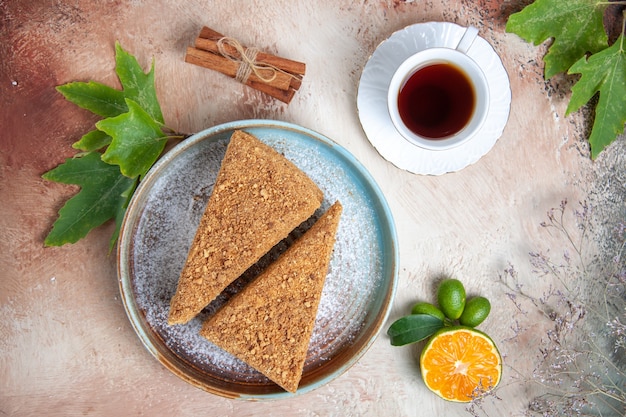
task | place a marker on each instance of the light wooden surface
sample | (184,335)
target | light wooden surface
(66,345)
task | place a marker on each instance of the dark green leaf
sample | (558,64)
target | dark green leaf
(576,27)
(604,73)
(137,140)
(121,212)
(104,190)
(93,141)
(413,328)
(95,97)
(138,86)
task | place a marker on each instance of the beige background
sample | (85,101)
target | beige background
(66,345)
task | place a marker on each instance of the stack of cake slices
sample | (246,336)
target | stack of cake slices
(258,199)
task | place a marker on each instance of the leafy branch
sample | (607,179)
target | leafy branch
(580,45)
(115,155)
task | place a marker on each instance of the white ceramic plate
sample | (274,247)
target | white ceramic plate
(162,219)
(372,99)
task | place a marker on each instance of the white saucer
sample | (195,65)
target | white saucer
(372,99)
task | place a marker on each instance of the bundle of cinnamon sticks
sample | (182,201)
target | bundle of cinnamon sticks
(270,74)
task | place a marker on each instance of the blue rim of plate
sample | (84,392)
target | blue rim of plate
(143,302)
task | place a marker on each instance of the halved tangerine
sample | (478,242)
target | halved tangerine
(460,363)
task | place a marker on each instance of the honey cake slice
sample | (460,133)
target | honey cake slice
(259,197)
(269,323)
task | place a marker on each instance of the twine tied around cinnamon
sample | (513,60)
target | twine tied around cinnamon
(247,61)
(273,75)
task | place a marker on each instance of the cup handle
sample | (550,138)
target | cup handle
(467,40)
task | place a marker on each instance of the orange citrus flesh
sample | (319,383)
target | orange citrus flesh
(460,363)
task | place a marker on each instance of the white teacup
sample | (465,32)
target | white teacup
(438,98)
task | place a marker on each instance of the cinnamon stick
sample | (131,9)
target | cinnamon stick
(261,58)
(228,67)
(283,95)
(212,61)
(208,41)
(285,74)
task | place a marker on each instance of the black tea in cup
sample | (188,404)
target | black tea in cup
(437,101)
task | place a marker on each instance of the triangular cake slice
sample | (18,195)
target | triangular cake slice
(269,323)
(259,197)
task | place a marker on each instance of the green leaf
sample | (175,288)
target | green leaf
(137,140)
(92,141)
(106,101)
(576,27)
(138,86)
(413,328)
(104,190)
(604,73)
(95,97)
(121,212)
(130,132)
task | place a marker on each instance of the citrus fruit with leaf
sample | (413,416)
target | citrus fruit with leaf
(476,311)
(451,298)
(459,363)
(428,308)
